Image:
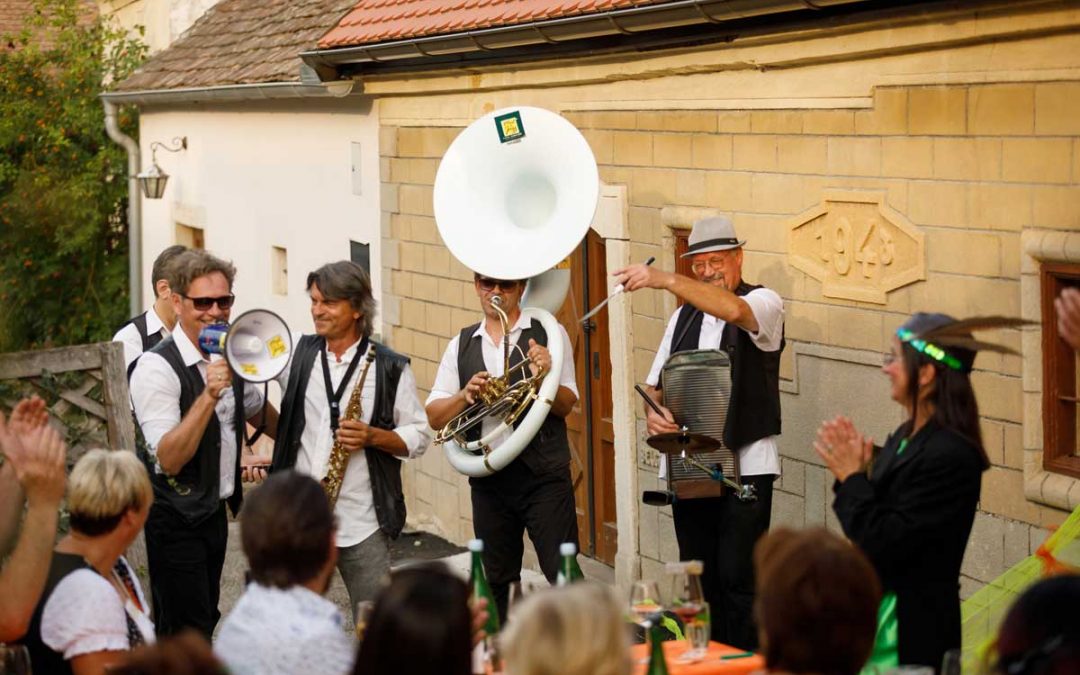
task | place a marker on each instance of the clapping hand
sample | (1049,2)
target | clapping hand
(36,451)
(843,449)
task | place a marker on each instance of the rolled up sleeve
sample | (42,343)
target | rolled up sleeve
(410,420)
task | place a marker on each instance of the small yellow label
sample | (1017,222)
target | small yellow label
(249,368)
(277,346)
(510,127)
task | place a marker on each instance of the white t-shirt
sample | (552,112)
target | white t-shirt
(761,456)
(287,631)
(85,615)
(132,341)
(355,511)
(155,395)
(447,382)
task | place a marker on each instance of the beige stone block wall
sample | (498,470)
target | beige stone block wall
(972,166)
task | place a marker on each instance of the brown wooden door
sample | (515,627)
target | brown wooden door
(589,425)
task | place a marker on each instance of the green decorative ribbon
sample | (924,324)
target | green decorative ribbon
(886,652)
(930,349)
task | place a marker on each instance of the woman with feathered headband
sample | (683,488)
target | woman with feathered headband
(910,505)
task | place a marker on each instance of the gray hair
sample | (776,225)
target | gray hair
(190,265)
(161,263)
(345,280)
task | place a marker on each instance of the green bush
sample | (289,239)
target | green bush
(63,187)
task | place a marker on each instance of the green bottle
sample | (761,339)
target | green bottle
(657,664)
(485,651)
(569,570)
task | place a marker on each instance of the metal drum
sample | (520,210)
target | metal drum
(697,390)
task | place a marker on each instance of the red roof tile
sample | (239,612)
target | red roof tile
(372,21)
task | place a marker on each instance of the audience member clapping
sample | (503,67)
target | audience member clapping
(421,624)
(1041,632)
(816,603)
(282,623)
(574,630)
(92,609)
(32,473)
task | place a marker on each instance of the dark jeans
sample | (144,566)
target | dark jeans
(721,532)
(511,502)
(185,569)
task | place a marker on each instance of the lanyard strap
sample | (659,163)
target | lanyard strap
(333,398)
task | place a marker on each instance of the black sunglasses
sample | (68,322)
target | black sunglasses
(487,284)
(204,304)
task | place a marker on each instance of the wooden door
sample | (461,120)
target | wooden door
(589,425)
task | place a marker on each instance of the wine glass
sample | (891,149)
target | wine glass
(687,601)
(644,601)
(14,660)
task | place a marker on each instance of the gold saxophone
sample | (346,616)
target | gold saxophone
(339,456)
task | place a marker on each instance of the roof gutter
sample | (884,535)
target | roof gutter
(234,92)
(134,207)
(626,21)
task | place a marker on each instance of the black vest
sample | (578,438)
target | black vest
(754,410)
(194,491)
(148,341)
(384,468)
(549,450)
(42,657)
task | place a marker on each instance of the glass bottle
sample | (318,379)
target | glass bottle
(569,570)
(480,588)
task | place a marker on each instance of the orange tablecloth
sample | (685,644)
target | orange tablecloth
(712,664)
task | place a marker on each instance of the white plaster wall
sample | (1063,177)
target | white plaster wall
(256,176)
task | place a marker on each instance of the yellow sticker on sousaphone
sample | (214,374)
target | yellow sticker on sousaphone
(276,346)
(510,127)
(249,368)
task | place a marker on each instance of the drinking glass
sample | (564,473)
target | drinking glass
(644,601)
(951,664)
(698,630)
(14,660)
(363,613)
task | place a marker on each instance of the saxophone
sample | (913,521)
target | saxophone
(339,456)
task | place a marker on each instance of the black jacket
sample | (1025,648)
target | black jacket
(912,516)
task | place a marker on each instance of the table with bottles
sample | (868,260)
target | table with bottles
(719,659)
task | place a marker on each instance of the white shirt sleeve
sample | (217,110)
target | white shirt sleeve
(410,420)
(768,309)
(446,378)
(566,374)
(155,394)
(84,615)
(663,351)
(253,399)
(132,341)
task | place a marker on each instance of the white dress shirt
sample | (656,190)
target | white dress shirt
(132,341)
(155,394)
(447,382)
(292,630)
(761,456)
(355,510)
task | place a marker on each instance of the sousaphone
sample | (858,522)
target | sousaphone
(514,196)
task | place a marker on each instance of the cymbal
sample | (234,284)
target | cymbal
(675,442)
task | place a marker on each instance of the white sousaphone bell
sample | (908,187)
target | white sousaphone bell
(514,196)
(257,345)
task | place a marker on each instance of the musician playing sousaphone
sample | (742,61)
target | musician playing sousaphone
(722,311)
(349,415)
(534,492)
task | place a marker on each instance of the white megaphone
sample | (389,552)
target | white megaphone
(257,346)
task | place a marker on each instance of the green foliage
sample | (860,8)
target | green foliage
(63,187)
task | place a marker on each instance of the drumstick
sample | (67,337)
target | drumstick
(648,399)
(618,289)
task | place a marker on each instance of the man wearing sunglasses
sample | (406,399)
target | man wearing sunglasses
(192,410)
(722,311)
(533,493)
(325,370)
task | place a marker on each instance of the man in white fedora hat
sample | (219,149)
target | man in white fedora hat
(722,311)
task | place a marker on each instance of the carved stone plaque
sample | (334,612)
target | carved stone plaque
(857,247)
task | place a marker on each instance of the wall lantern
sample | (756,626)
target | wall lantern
(153,180)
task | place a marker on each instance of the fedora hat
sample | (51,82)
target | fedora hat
(712,234)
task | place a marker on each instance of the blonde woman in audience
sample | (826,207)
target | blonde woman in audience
(92,610)
(574,630)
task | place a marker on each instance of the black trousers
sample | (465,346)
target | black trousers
(185,569)
(721,532)
(511,502)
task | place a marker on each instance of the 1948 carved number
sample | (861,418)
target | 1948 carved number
(841,244)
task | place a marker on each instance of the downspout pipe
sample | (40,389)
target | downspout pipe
(134,206)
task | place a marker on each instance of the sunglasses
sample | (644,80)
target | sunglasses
(491,284)
(204,304)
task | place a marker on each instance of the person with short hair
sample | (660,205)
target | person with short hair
(93,609)
(722,311)
(191,410)
(324,375)
(141,333)
(282,623)
(816,602)
(421,624)
(534,493)
(1041,633)
(573,630)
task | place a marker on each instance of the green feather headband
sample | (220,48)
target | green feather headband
(930,349)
